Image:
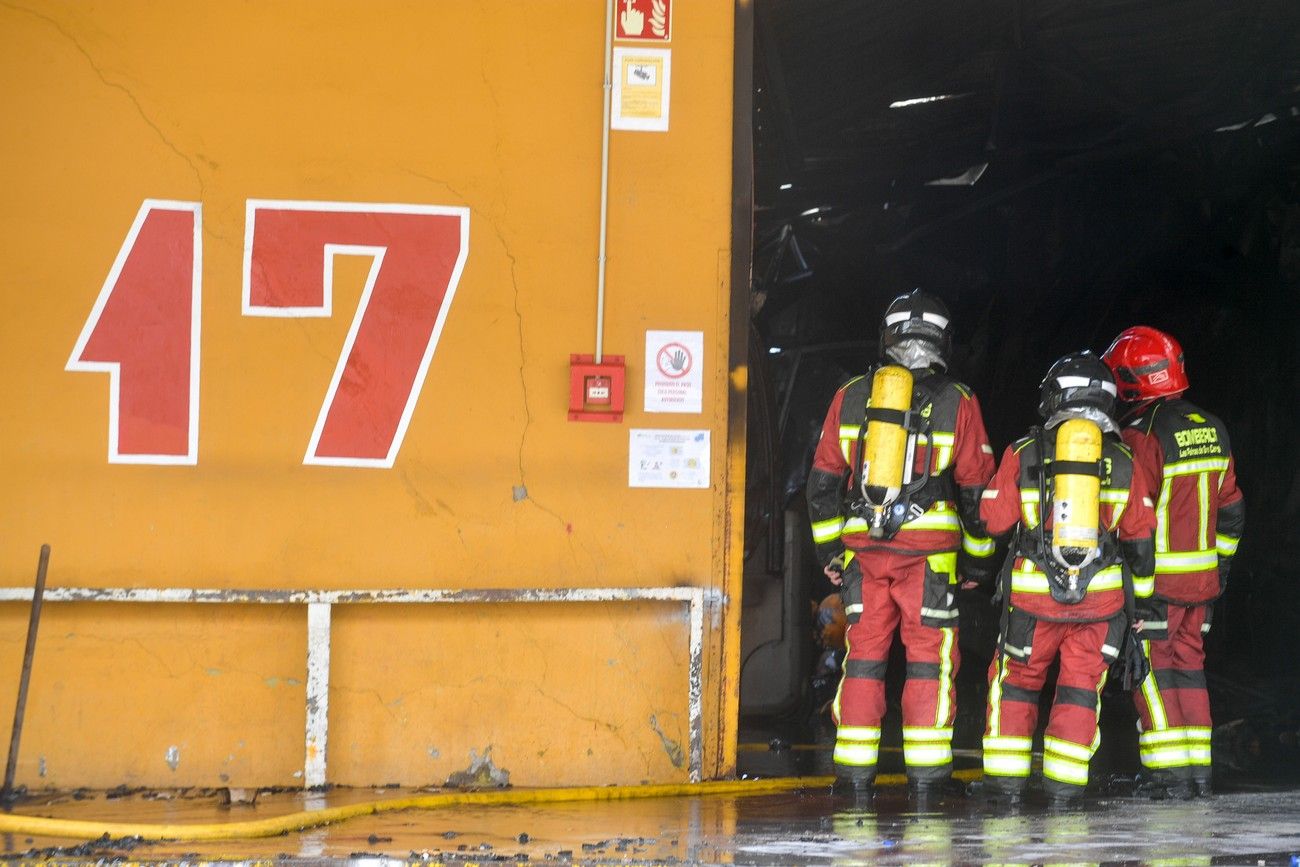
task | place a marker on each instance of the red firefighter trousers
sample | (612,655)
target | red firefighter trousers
(899,591)
(1172,703)
(1014,684)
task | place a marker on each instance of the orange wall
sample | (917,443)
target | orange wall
(490,105)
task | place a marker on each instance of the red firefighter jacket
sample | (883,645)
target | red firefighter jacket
(1013,497)
(961,461)
(1183,455)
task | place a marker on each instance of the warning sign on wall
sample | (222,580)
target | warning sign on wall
(645,20)
(641,88)
(674,364)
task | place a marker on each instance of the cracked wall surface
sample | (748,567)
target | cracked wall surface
(493,106)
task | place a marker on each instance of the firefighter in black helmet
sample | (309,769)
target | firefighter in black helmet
(893,496)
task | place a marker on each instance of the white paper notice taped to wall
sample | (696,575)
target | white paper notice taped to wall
(668,458)
(641,88)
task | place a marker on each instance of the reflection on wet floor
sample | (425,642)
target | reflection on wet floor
(808,827)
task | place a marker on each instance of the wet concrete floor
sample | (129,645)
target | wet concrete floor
(808,827)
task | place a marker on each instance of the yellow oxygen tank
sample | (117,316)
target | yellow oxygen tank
(1076,505)
(886,442)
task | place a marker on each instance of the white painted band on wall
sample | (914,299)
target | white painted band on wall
(319,604)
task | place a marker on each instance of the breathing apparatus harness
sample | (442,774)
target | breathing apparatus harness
(916,495)
(1068,581)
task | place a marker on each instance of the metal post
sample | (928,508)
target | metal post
(38,595)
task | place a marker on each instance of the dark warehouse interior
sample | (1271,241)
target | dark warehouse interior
(1056,172)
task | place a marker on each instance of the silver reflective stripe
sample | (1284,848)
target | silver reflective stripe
(1024,581)
(935,319)
(1109,650)
(1200,465)
(938,613)
(856,608)
(828,530)
(1226,545)
(1186,561)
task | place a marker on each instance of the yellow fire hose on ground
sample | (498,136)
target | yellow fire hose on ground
(89,830)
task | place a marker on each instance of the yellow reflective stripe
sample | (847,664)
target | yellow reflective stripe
(928,734)
(1198,745)
(858,755)
(1065,770)
(936,519)
(1174,756)
(1158,737)
(1151,692)
(1225,545)
(1144,587)
(1200,465)
(976,546)
(942,457)
(1078,752)
(865,734)
(948,440)
(1115,497)
(1029,507)
(1007,755)
(839,690)
(943,706)
(1186,561)
(856,525)
(926,755)
(995,699)
(828,530)
(1007,765)
(1008,743)
(1203,502)
(945,563)
(1162,517)
(846,447)
(850,431)
(1033,581)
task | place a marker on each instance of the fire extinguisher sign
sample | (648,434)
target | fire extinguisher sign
(674,365)
(645,20)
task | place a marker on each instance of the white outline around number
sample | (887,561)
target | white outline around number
(326,307)
(113,369)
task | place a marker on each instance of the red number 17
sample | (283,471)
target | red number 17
(144,328)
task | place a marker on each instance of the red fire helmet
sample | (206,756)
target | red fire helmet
(1147,364)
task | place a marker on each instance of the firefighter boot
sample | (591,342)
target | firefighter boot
(1062,796)
(998,792)
(856,782)
(1165,784)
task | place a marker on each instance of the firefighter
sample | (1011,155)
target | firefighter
(1082,547)
(893,496)
(1182,453)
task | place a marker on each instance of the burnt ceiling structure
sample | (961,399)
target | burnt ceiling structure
(1056,171)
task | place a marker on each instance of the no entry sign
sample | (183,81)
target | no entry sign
(674,365)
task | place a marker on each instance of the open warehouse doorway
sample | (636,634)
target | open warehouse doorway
(1055,172)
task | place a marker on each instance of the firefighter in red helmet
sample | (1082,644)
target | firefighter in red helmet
(1183,453)
(1083,524)
(893,497)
